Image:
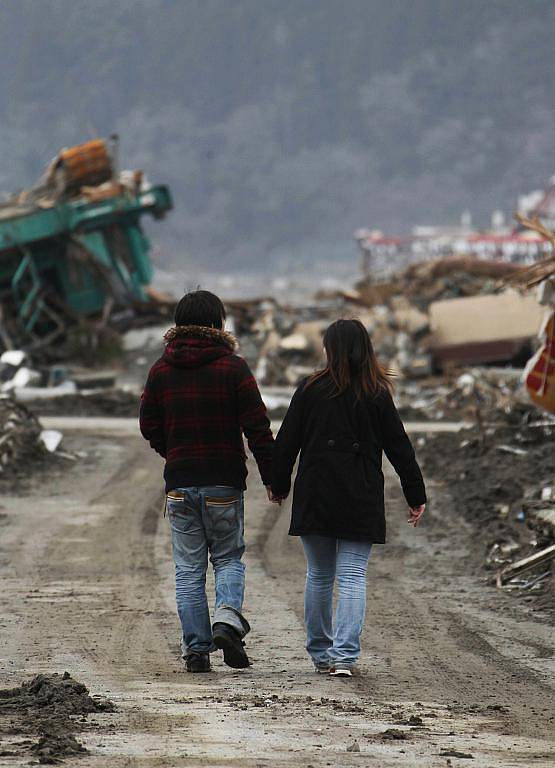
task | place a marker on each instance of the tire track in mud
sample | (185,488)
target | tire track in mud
(118,553)
(119,642)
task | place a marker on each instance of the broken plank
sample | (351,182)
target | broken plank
(523,565)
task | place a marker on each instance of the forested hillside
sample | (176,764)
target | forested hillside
(282,125)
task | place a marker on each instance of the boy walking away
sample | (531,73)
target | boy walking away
(198,400)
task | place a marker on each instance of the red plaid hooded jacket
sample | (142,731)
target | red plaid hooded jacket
(198,400)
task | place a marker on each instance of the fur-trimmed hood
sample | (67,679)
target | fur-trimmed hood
(190,346)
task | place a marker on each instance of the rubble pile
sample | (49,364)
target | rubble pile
(469,397)
(25,447)
(281,343)
(501,473)
(22,378)
(428,281)
(61,390)
(116,402)
(20,434)
(284,343)
(287,358)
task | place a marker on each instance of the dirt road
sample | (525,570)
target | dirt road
(452,672)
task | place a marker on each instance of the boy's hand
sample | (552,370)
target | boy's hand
(415,513)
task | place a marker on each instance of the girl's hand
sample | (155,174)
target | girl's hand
(415,513)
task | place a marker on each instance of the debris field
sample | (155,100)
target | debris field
(457,662)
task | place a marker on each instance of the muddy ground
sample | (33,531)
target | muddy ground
(453,672)
(497,474)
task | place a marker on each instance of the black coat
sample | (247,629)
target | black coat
(339,489)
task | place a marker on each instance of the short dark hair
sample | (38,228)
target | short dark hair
(200,308)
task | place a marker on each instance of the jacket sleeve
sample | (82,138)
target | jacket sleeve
(150,417)
(398,449)
(254,422)
(287,445)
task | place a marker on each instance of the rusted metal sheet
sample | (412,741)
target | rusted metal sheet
(85,164)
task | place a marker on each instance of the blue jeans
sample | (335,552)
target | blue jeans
(334,641)
(207,520)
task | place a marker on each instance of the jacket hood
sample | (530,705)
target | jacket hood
(191,346)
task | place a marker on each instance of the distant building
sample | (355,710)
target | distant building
(382,253)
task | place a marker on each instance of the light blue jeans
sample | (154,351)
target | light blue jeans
(207,520)
(333,640)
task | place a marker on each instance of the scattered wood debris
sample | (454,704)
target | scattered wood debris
(538,558)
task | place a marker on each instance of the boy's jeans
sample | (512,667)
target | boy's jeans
(338,642)
(203,520)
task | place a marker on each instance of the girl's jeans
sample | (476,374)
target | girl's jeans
(337,642)
(203,520)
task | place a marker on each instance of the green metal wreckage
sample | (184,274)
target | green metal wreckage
(73,259)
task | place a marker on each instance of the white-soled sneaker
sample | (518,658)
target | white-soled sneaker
(341,671)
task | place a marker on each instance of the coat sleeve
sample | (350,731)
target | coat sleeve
(398,449)
(254,422)
(287,445)
(150,417)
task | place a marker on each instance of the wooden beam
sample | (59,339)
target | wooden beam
(544,556)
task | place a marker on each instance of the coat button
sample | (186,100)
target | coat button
(331,443)
(356,446)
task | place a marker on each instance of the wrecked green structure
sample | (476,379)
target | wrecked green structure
(73,248)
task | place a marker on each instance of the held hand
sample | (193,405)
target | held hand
(415,513)
(272,497)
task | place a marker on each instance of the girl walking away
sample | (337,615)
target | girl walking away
(341,419)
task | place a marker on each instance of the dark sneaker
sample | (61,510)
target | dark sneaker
(198,662)
(228,640)
(322,669)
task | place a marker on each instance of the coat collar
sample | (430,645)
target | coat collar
(215,335)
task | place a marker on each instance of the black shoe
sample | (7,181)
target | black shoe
(227,638)
(198,662)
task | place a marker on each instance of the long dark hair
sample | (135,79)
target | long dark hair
(351,361)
